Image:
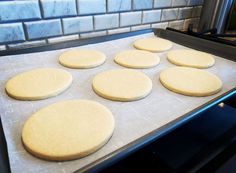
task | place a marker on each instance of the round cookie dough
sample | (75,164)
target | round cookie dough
(82,58)
(153,44)
(38,84)
(122,85)
(191,58)
(190,81)
(68,130)
(137,59)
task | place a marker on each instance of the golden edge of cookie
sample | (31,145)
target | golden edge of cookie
(187,65)
(121,99)
(188,93)
(82,67)
(67,157)
(34,98)
(152,50)
(136,67)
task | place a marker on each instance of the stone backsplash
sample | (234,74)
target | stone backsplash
(27,23)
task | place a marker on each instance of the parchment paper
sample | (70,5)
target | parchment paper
(132,119)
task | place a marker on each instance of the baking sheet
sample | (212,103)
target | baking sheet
(132,119)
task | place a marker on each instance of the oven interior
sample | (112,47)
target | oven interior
(205,144)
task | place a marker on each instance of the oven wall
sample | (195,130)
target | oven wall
(26,23)
(215,14)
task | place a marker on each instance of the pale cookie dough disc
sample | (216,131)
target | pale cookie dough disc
(68,130)
(191,58)
(153,44)
(137,59)
(122,85)
(82,58)
(190,81)
(38,84)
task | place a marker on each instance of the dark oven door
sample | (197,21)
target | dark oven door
(207,143)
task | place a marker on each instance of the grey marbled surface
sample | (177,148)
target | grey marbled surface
(56,8)
(106,21)
(77,24)
(118,5)
(19,10)
(43,28)
(91,6)
(11,32)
